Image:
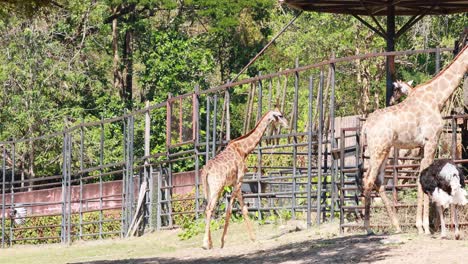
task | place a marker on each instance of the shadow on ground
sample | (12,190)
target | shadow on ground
(349,249)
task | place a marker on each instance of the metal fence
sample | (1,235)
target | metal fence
(113,178)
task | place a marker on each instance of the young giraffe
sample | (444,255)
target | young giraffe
(415,122)
(228,168)
(400,89)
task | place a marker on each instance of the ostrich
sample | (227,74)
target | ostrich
(443,181)
(18,215)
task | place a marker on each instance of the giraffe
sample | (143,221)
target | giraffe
(415,122)
(228,168)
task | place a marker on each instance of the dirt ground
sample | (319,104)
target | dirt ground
(290,244)
(275,244)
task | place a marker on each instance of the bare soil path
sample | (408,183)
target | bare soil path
(274,244)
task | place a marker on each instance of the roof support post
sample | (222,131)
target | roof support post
(390,69)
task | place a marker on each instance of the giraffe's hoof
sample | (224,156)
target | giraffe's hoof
(457,236)
(370,233)
(207,246)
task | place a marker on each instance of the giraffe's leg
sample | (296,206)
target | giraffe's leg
(419,208)
(454,214)
(377,159)
(229,211)
(245,214)
(390,209)
(443,230)
(426,207)
(367,202)
(207,242)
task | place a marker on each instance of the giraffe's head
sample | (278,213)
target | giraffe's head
(277,117)
(400,88)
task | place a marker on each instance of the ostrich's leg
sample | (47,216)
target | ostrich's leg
(443,229)
(454,214)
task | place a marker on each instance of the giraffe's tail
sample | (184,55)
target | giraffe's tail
(204,180)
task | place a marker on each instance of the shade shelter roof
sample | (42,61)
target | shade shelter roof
(417,9)
(381,8)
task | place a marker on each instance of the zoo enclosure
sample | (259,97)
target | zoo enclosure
(301,171)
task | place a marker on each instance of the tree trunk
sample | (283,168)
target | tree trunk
(116,61)
(127,76)
(128,69)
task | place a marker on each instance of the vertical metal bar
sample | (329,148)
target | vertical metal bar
(147,168)
(319,155)
(151,201)
(437,60)
(12,187)
(395,173)
(342,192)
(124,181)
(207,151)
(270,93)
(294,182)
(181,120)
(309,152)
(215,113)
(64,189)
(81,181)
(169,196)
(130,170)
(3,195)
(227,99)
(196,119)
(259,155)
(454,139)
(69,216)
(101,162)
(332,139)
(159,208)
(168,120)
(390,62)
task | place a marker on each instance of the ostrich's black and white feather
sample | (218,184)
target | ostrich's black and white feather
(18,214)
(444,182)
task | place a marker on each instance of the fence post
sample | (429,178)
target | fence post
(81,179)
(259,155)
(147,166)
(12,186)
(294,129)
(101,162)
(309,152)
(333,143)
(319,156)
(3,195)
(195,135)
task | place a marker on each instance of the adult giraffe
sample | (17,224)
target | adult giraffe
(415,122)
(228,169)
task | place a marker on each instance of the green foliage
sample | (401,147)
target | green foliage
(50,226)
(186,204)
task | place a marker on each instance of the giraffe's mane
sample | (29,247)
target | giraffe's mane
(250,132)
(442,71)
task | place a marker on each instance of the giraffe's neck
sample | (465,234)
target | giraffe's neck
(444,84)
(245,144)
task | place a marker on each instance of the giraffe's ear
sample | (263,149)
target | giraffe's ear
(410,83)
